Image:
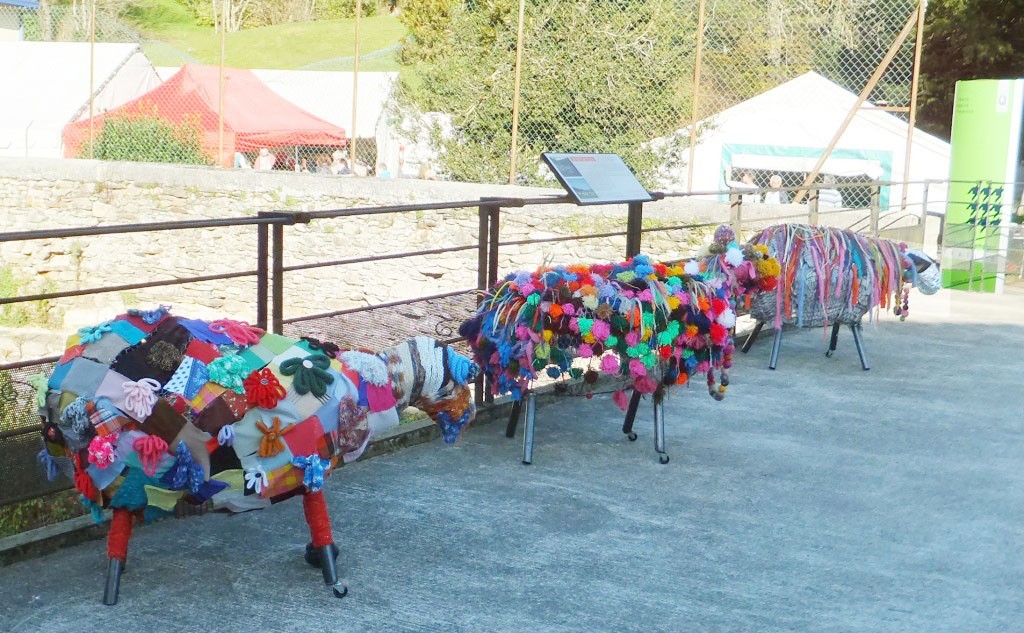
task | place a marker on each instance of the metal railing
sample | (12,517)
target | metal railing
(386,322)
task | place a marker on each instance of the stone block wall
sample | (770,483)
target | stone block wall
(54,194)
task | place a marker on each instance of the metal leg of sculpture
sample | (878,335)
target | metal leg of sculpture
(314,507)
(752,337)
(627,424)
(531,419)
(859,342)
(513,418)
(834,341)
(776,344)
(117,553)
(659,431)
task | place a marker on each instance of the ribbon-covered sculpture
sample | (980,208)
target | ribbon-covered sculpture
(152,414)
(835,277)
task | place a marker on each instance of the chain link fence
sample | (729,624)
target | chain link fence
(627,77)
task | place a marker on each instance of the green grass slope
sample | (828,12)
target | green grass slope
(173,39)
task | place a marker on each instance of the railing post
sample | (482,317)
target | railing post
(277,260)
(812,207)
(262,273)
(876,196)
(736,213)
(494,236)
(482,259)
(634,226)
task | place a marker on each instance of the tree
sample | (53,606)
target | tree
(966,39)
(598,75)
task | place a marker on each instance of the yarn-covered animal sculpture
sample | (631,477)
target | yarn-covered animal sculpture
(152,414)
(652,325)
(833,276)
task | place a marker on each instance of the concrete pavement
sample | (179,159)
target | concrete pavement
(817,497)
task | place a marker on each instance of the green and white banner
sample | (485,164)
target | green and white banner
(986,137)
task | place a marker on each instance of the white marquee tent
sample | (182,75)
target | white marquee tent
(787,128)
(47,86)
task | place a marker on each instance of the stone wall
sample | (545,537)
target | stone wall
(53,194)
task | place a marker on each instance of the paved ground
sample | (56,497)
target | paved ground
(814,498)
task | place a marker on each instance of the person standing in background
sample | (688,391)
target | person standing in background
(265,161)
(776,197)
(829,196)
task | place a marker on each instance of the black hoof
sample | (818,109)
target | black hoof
(312,555)
(631,436)
(526,463)
(828,354)
(663,458)
(340,593)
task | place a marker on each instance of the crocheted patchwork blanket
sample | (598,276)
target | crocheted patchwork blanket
(150,410)
(650,323)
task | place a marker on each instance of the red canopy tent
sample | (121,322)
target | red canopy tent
(254,115)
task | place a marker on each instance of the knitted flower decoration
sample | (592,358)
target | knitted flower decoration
(101,450)
(263,389)
(310,374)
(271,443)
(95,333)
(230,372)
(315,468)
(240,332)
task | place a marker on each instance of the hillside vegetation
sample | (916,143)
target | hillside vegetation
(173,38)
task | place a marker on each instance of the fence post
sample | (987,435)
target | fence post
(924,211)
(875,208)
(634,225)
(812,207)
(736,213)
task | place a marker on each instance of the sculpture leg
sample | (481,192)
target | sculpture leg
(776,344)
(322,549)
(513,418)
(834,340)
(531,419)
(752,337)
(659,431)
(117,553)
(858,341)
(627,425)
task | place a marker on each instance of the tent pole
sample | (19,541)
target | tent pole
(220,105)
(897,43)
(912,120)
(355,90)
(515,96)
(694,107)
(92,75)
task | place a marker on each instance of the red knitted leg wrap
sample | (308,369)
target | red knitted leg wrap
(315,508)
(120,532)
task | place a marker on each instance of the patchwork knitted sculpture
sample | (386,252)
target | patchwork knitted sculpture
(152,414)
(652,324)
(832,276)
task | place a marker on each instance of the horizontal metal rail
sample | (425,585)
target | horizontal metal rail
(124,287)
(116,229)
(379,258)
(390,304)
